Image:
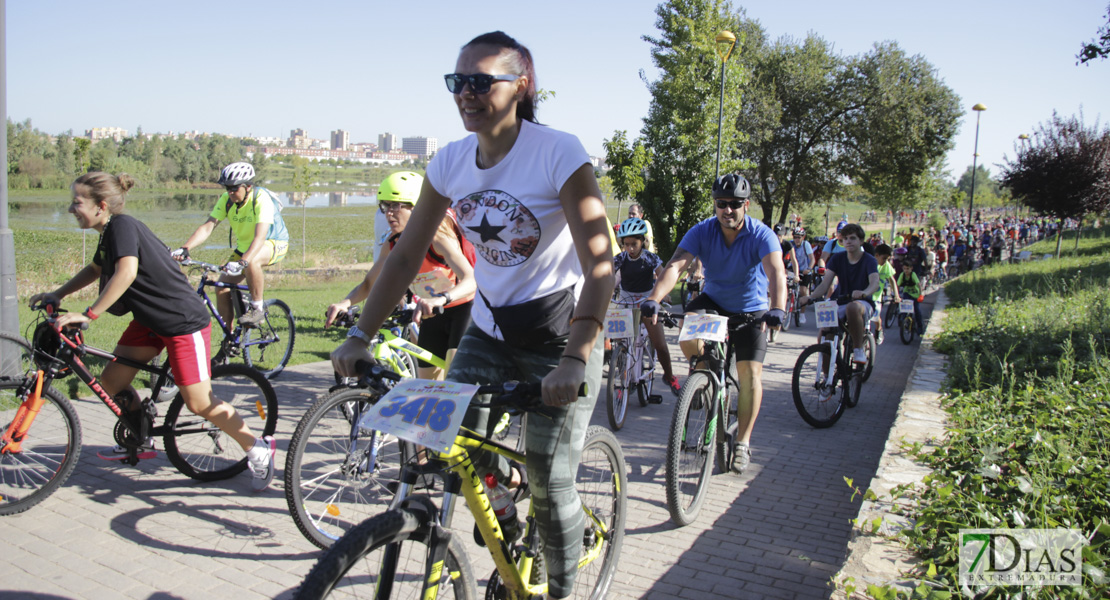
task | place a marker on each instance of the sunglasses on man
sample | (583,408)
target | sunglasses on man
(733,204)
(480,83)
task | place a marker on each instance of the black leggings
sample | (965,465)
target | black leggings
(441,333)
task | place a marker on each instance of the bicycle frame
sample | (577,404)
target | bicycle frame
(634,347)
(388,343)
(464,477)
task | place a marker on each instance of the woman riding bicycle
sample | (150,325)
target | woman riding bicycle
(445,280)
(526,196)
(137,275)
(636,272)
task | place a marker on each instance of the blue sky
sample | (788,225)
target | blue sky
(263,68)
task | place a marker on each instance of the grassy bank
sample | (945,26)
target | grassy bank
(1029,417)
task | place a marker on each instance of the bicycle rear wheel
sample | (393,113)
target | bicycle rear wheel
(356,566)
(647,381)
(269,346)
(201,450)
(907,329)
(689,449)
(47,454)
(820,404)
(14,345)
(338,474)
(616,390)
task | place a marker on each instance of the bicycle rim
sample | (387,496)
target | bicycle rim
(336,473)
(269,346)
(616,390)
(48,453)
(354,567)
(602,484)
(819,404)
(689,449)
(201,450)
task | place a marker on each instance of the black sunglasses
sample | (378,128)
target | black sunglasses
(479,82)
(734,204)
(231,189)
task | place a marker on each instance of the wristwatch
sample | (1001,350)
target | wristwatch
(355,332)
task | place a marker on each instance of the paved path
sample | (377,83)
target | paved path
(778,531)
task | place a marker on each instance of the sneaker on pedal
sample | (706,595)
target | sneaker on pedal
(260,461)
(672,382)
(802,319)
(880,337)
(741,457)
(252,318)
(119,452)
(859,357)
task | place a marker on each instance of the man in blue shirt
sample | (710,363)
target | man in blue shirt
(742,259)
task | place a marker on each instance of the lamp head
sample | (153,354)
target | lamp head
(979,107)
(725,37)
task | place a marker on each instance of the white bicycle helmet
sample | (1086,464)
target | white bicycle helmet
(237,173)
(630,227)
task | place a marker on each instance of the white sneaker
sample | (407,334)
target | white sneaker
(262,463)
(802,319)
(859,356)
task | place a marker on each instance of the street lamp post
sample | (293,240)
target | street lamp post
(725,37)
(978,108)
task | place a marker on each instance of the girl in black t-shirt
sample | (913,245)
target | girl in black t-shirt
(137,275)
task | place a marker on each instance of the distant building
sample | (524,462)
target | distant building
(298,138)
(102,133)
(420,146)
(387,142)
(317,154)
(340,139)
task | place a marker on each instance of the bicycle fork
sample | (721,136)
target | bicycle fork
(12,441)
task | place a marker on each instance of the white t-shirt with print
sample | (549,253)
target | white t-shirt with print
(512,214)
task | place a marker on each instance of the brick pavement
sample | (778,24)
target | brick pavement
(778,531)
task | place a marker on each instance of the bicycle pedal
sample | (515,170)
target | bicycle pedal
(655,399)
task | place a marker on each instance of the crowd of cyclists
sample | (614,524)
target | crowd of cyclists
(512,215)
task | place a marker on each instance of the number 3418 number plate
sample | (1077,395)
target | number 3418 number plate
(422,411)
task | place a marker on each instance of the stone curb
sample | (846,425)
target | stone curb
(879,558)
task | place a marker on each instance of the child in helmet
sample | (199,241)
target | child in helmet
(636,270)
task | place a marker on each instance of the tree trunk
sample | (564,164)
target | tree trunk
(1078,234)
(1059,236)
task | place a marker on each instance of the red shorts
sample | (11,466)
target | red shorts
(190,355)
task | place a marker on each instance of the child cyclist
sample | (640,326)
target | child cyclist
(137,275)
(636,271)
(910,285)
(887,276)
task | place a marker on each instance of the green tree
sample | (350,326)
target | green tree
(81,153)
(626,166)
(681,127)
(1098,47)
(988,191)
(63,155)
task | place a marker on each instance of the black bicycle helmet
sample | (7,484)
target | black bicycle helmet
(732,185)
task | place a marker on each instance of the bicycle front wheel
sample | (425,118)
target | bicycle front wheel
(201,450)
(872,350)
(727,426)
(689,449)
(616,389)
(602,484)
(338,474)
(819,403)
(791,307)
(269,346)
(891,314)
(47,454)
(387,557)
(907,329)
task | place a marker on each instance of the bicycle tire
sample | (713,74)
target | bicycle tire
(727,426)
(871,348)
(49,451)
(602,484)
(818,405)
(855,385)
(616,389)
(330,486)
(26,353)
(361,550)
(689,465)
(643,388)
(891,315)
(907,329)
(202,451)
(269,346)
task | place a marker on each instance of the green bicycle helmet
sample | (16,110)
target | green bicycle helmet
(402,186)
